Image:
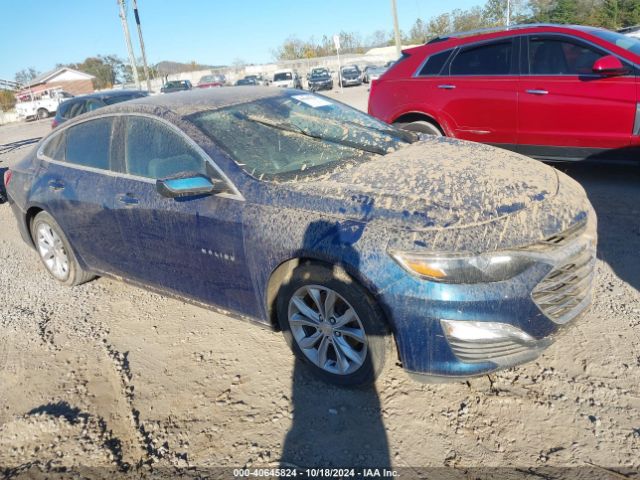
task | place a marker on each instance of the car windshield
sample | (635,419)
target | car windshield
(349,70)
(623,41)
(286,137)
(282,76)
(322,74)
(173,84)
(207,79)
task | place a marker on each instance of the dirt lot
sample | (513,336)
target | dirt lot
(110,376)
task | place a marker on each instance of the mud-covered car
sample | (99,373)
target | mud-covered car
(296,211)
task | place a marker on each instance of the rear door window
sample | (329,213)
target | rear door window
(155,150)
(559,56)
(88,143)
(488,59)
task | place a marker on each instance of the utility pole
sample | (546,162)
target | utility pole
(396,28)
(127,39)
(508,12)
(144,55)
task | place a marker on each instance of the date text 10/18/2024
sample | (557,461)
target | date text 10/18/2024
(315,472)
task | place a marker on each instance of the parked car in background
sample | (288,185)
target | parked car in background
(552,92)
(258,80)
(372,72)
(287,78)
(631,31)
(311,217)
(320,79)
(87,103)
(246,81)
(210,81)
(176,86)
(40,104)
(350,75)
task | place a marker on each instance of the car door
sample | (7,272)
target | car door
(189,245)
(565,110)
(477,91)
(76,188)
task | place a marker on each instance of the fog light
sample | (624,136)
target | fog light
(489,332)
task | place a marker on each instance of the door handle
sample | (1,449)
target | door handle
(447,86)
(127,199)
(56,185)
(537,92)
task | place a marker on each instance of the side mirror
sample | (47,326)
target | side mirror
(189,185)
(609,66)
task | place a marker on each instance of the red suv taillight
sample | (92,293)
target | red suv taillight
(54,123)
(7,177)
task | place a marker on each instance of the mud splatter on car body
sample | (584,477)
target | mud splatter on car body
(431,197)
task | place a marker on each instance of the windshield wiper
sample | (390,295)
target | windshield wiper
(406,135)
(289,127)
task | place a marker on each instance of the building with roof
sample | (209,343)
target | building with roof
(68,79)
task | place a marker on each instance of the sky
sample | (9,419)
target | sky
(42,33)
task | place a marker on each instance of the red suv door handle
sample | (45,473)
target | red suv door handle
(447,87)
(537,92)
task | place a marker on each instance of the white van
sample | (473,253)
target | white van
(287,79)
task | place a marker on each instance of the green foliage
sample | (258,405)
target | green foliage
(7,100)
(613,14)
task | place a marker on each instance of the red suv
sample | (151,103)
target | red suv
(554,92)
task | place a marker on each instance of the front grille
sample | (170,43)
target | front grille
(477,352)
(565,291)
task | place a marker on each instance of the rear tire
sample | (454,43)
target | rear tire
(42,113)
(332,325)
(421,126)
(55,252)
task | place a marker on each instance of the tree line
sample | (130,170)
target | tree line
(612,14)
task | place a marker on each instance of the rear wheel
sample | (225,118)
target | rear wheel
(42,113)
(332,325)
(421,126)
(55,252)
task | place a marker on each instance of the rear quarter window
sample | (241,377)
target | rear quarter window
(434,63)
(55,147)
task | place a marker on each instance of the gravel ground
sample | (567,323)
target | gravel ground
(112,377)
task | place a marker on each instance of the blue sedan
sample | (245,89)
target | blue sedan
(298,212)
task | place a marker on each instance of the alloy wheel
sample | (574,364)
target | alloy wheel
(327,329)
(52,251)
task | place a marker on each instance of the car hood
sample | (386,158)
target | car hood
(434,183)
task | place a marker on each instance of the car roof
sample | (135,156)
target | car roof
(185,103)
(108,94)
(510,28)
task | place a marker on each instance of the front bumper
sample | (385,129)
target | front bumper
(454,331)
(347,82)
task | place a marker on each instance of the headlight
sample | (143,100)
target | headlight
(446,268)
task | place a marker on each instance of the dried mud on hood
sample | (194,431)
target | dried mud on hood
(439,182)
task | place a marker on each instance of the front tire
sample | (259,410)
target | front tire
(42,113)
(55,252)
(332,325)
(421,126)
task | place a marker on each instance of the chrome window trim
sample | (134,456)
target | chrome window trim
(235,193)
